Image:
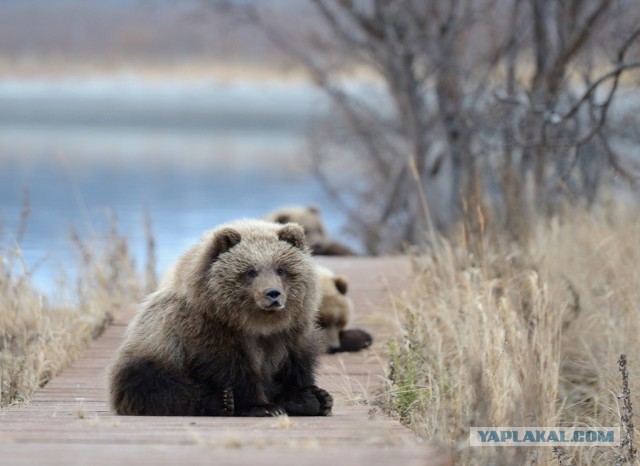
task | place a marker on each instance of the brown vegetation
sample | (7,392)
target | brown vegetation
(39,337)
(526,335)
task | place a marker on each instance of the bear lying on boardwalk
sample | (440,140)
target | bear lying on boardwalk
(229,332)
(316,233)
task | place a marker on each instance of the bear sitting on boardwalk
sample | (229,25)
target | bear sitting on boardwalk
(229,332)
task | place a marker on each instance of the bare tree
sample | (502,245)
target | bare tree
(479,103)
(562,124)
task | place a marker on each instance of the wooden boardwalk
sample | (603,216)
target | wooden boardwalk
(68,422)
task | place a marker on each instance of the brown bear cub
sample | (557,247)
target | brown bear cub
(230,331)
(316,233)
(334,314)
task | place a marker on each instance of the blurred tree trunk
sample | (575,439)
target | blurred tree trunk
(466,193)
(553,57)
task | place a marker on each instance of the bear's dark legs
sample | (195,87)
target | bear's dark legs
(251,399)
(299,395)
(141,387)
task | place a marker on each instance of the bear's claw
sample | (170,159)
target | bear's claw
(264,411)
(228,403)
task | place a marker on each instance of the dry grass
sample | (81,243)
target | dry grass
(39,338)
(527,335)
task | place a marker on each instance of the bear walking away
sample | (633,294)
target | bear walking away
(230,331)
(316,233)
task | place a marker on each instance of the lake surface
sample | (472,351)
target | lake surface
(194,154)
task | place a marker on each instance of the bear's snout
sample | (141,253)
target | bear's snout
(273,298)
(273,293)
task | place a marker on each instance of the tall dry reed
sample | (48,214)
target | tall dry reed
(40,336)
(526,335)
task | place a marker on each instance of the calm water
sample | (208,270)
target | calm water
(196,156)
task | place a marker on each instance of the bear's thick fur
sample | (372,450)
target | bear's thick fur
(334,314)
(230,331)
(316,233)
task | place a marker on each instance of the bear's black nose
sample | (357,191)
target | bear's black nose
(272,293)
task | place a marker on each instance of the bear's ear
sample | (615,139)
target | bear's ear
(341,284)
(314,209)
(292,234)
(223,240)
(283,218)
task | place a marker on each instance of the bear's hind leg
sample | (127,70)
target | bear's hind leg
(141,387)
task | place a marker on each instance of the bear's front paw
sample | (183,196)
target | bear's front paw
(309,401)
(324,398)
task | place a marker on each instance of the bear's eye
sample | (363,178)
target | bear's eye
(280,271)
(252,273)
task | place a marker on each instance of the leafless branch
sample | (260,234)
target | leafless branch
(471,100)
